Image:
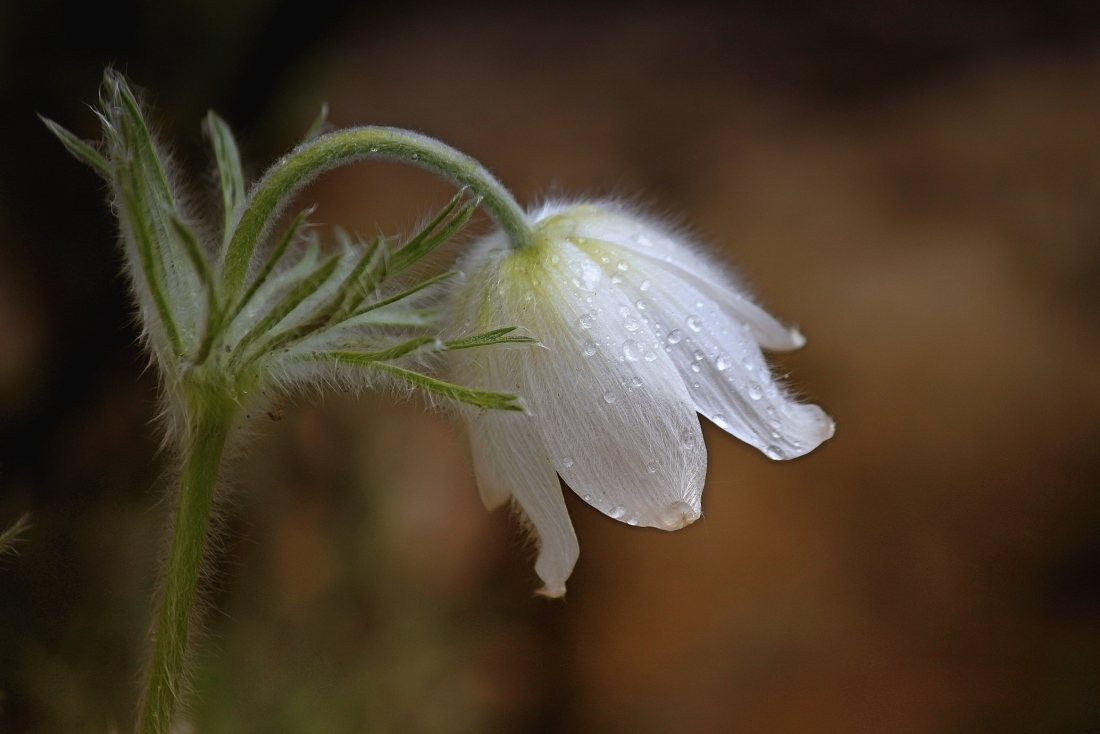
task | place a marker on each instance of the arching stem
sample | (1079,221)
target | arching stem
(345,146)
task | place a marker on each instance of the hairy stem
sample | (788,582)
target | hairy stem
(345,146)
(166,684)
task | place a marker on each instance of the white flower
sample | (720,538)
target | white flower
(638,333)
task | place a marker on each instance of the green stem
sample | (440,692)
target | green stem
(345,146)
(165,685)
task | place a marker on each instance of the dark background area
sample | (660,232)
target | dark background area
(916,184)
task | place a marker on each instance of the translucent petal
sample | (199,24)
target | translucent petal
(613,412)
(509,459)
(716,353)
(660,248)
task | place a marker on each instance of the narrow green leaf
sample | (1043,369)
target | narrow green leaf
(366,359)
(421,318)
(228,158)
(405,293)
(137,221)
(273,259)
(430,237)
(486,399)
(318,123)
(80,149)
(290,301)
(488,338)
(206,277)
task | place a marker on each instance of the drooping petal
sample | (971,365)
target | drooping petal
(508,458)
(717,354)
(613,412)
(650,242)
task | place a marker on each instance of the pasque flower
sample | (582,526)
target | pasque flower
(637,333)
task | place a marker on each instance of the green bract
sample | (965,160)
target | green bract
(230,317)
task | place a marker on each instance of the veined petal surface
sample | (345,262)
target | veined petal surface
(613,413)
(509,460)
(715,350)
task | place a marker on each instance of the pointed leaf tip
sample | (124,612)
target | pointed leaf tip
(80,149)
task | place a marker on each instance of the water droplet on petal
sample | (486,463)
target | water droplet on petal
(589,348)
(774,452)
(695,367)
(632,350)
(555,259)
(624,311)
(642,240)
(723,362)
(651,467)
(623,265)
(609,396)
(640,305)
(631,324)
(699,356)
(587,320)
(617,511)
(694,323)
(636,382)
(720,421)
(747,364)
(616,278)
(632,521)
(755,391)
(587,498)
(645,285)
(567,461)
(650,356)
(675,336)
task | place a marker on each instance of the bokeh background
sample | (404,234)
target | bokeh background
(917,184)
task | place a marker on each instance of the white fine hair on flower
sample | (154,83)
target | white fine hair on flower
(638,333)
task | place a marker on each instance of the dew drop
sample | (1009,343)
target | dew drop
(645,285)
(589,348)
(642,240)
(640,305)
(555,259)
(695,367)
(723,362)
(632,350)
(624,311)
(617,511)
(651,467)
(567,461)
(694,323)
(747,364)
(636,382)
(720,421)
(632,521)
(755,391)
(609,397)
(631,324)
(774,452)
(650,356)
(587,320)
(623,265)
(698,356)
(587,498)
(675,336)
(616,278)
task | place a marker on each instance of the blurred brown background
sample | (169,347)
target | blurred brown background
(916,184)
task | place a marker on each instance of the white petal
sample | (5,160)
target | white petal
(509,457)
(717,355)
(661,248)
(614,414)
